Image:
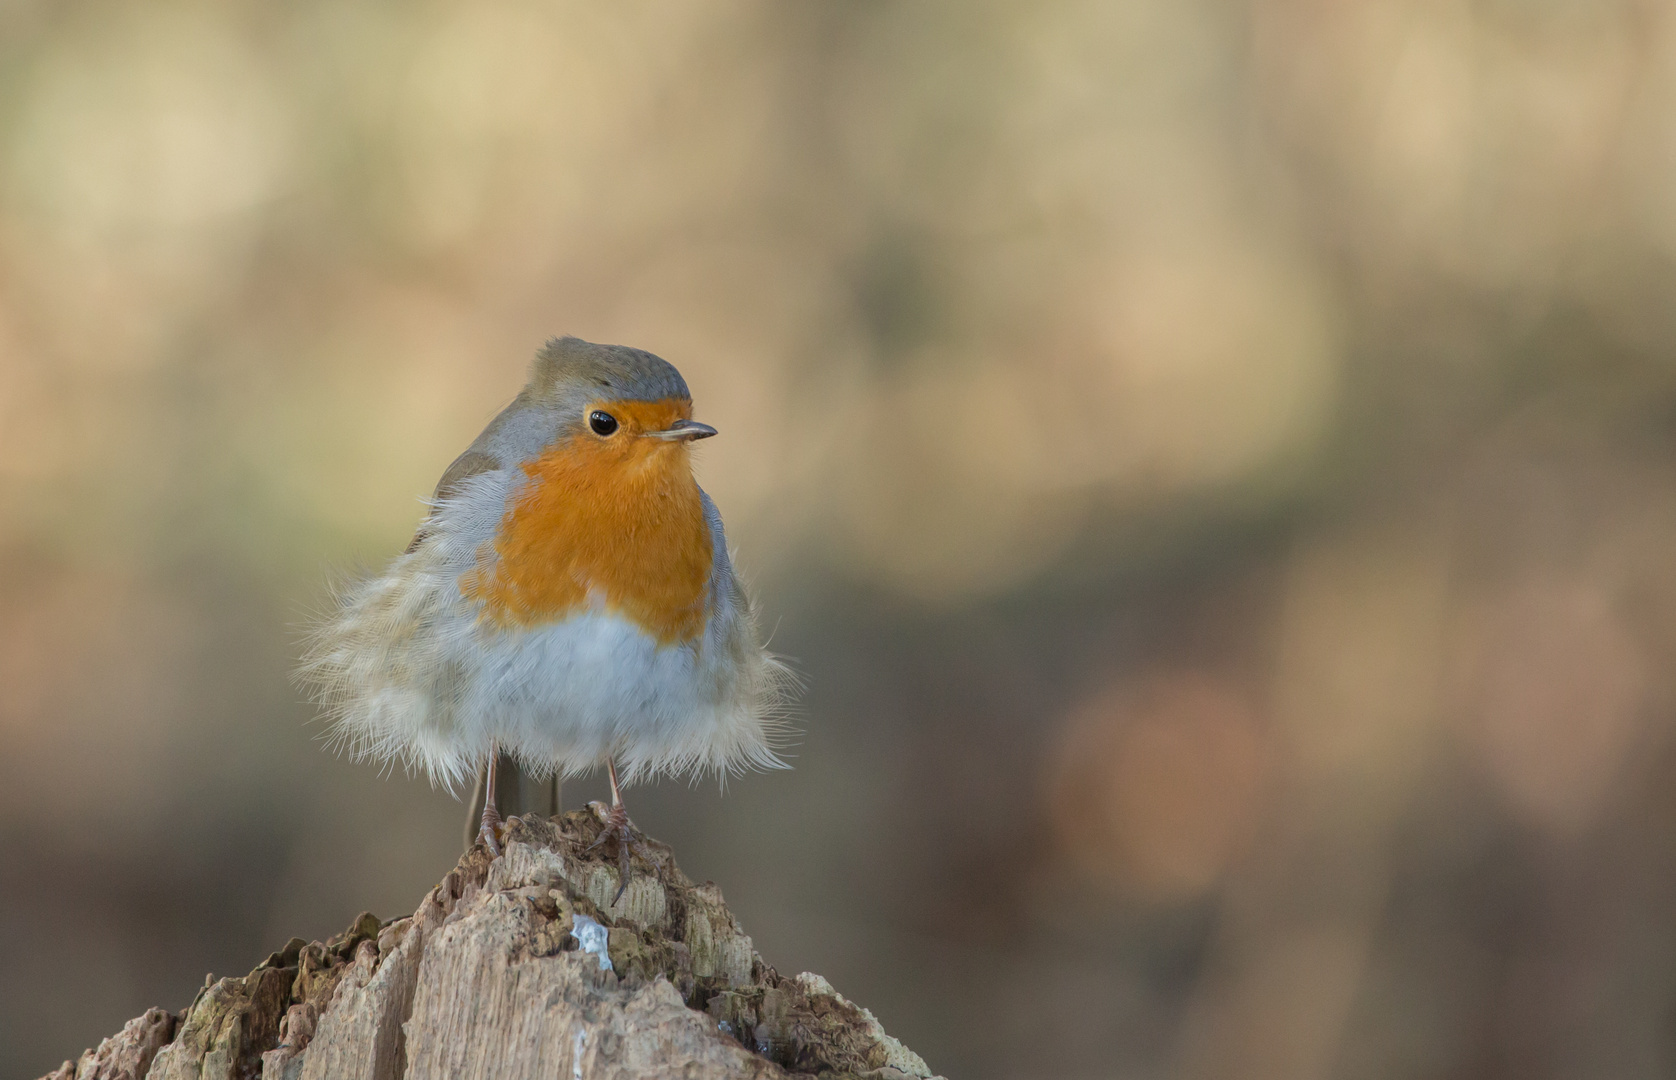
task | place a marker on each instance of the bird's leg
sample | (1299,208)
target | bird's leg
(524,795)
(616,792)
(615,818)
(491,813)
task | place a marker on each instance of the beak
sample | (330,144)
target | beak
(683,431)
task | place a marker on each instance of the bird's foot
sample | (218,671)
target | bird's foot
(490,830)
(619,828)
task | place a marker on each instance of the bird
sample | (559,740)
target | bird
(568,601)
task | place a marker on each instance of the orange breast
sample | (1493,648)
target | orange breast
(614,523)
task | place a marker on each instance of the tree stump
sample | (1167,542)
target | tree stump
(517,967)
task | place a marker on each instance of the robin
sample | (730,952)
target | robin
(567,602)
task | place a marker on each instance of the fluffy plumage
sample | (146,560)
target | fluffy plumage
(553,600)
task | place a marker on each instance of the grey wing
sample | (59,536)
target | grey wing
(724,584)
(466,466)
(517,432)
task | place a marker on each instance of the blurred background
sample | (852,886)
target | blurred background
(1213,462)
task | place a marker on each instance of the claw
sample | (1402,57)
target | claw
(619,828)
(491,826)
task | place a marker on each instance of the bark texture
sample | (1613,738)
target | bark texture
(486,980)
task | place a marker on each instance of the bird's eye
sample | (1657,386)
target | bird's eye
(603,423)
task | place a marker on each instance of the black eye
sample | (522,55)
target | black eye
(603,423)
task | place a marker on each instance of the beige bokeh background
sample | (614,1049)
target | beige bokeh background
(1215,465)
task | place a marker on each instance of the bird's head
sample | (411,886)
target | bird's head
(615,405)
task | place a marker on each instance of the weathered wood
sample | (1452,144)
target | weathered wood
(127,1055)
(486,980)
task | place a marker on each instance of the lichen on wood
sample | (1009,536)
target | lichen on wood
(485,979)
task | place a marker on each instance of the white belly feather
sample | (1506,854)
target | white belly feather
(407,670)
